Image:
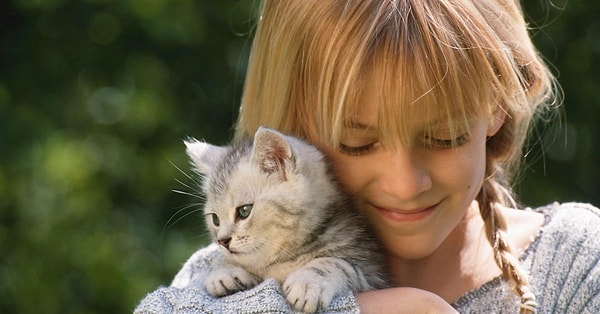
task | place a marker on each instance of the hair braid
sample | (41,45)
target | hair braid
(496,231)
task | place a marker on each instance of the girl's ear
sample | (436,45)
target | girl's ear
(496,121)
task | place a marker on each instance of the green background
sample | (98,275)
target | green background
(96,96)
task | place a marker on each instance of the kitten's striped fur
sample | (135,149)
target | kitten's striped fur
(273,206)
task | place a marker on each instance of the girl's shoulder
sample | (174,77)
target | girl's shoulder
(575,209)
(570,229)
(564,259)
(570,221)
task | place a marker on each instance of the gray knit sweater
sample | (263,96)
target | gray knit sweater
(563,262)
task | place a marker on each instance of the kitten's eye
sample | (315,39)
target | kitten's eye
(244,211)
(215,220)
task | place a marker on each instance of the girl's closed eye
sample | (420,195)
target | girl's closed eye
(359,139)
(357,150)
(446,143)
(430,142)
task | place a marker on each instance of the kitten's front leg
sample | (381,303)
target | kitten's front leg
(228,279)
(313,286)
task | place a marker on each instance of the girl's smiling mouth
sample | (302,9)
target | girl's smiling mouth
(405,216)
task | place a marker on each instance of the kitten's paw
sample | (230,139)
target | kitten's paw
(308,290)
(228,280)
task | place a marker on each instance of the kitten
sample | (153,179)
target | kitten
(276,212)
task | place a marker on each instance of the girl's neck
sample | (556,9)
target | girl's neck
(463,262)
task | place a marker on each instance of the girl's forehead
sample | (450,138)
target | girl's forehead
(380,111)
(400,96)
(379,106)
(416,119)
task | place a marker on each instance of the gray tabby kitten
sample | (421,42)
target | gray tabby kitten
(276,212)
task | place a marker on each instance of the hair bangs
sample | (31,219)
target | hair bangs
(414,72)
(403,61)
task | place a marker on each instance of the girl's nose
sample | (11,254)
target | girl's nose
(403,175)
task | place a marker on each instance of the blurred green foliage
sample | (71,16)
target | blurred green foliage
(96,96)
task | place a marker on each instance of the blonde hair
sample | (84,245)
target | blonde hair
(463,58)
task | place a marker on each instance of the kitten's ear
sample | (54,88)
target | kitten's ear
(271,152)
(204,156)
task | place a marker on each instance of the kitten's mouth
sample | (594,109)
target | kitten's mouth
(232,252)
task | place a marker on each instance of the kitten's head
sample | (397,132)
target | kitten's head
(264,197)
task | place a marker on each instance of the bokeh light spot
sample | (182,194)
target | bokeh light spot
(108,105)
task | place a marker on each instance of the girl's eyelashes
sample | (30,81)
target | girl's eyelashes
(429,142)
(357,150)
(437,143)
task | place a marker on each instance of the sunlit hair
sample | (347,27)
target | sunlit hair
(465,59)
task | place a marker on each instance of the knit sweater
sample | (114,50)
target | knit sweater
(563,262)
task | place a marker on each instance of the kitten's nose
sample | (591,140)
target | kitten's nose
(224,242)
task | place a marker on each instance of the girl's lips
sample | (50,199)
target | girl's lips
(402,216)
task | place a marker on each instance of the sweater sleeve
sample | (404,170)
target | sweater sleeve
(186,294)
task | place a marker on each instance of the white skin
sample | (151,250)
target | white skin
(421,202)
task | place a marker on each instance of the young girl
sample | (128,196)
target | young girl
(422,108)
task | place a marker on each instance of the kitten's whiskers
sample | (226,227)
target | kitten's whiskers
(193,179)
(178,216)
(199,196)
(172,221)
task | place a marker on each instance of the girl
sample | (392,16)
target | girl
(422,108)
